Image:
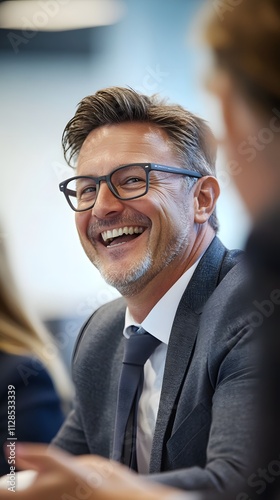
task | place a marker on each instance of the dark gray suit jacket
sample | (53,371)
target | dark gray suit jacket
(204,428)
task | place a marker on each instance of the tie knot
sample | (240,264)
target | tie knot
(139,347)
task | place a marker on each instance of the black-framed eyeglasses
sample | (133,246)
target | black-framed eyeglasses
(126,183)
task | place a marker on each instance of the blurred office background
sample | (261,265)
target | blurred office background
(52,54)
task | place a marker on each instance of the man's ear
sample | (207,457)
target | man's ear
(205,195)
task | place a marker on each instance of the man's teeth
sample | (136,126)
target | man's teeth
(114,233)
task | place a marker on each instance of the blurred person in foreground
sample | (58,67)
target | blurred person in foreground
(34,384)
(245,41)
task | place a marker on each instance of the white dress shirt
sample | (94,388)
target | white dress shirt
(159,324)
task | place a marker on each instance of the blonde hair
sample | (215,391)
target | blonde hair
(245,41)
(22,334)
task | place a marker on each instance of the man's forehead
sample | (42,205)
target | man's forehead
(142,128)
(125,137)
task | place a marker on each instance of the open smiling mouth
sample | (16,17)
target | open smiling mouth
(121,235)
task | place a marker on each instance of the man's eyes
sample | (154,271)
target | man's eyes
(133,180)
(86,191)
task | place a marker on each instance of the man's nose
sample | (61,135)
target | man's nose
(106,203)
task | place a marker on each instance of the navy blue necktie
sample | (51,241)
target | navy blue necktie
(138,348)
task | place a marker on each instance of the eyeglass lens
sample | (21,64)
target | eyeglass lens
(125,182)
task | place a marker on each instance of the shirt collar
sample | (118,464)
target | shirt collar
(160,319)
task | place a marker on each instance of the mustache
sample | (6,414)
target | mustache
(100,226)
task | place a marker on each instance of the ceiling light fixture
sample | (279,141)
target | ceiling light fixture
(59,15)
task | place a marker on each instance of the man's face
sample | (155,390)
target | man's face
(162,221)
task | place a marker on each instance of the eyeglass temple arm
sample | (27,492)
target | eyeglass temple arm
(67,191)
(175,170)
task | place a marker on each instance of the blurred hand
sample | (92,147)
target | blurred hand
(64,477)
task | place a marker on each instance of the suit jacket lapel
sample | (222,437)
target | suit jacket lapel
(180,347)
(182,342)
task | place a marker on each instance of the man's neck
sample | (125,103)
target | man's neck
(141,303)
